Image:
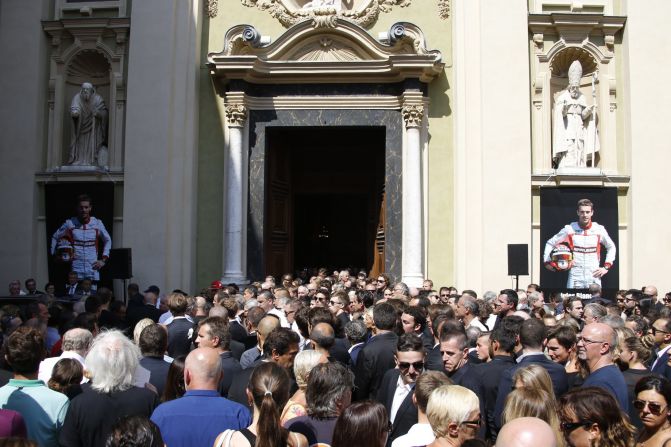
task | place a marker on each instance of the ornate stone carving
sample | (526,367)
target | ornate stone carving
(236,114)
(326,50)
(212,8)
(412,115)
(363,13)
(354,55)
(444,9)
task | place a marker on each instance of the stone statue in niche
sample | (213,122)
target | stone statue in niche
(575,139)
(88,146)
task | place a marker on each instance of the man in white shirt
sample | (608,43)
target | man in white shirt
(396,389)
(467,312)
(421,433)
(76,343)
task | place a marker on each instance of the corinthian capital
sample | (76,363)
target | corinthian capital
(412,115)
(236,114)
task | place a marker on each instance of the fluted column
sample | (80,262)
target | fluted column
(413,244)
(235,231)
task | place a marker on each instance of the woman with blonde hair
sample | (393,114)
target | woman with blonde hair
(454,414)
(303,364)
(533,402)
(143,323)
(534,377)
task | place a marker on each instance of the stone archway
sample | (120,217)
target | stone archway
(334,74)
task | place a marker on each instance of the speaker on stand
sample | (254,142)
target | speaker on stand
(120,264)
(518,261)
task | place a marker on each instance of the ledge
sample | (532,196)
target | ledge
(590,177)
(98,175)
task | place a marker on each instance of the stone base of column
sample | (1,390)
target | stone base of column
(414,280)
(238,279)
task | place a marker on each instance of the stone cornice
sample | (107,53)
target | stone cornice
(343,52)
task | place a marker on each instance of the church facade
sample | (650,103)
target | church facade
(421,138)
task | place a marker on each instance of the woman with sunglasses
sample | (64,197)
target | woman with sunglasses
(591,417)
(653,395)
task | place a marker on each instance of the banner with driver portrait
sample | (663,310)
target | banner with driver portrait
(579,241)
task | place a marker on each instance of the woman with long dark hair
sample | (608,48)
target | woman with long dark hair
(591,417)
(653,400)
(174,382)
(362,424)
(268,392)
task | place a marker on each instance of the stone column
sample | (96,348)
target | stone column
(235,230)
(412,271)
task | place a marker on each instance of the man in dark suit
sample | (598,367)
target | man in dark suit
(397,386)
(213,333)
(281,347)
(661,330)
(153,344)
(501,347)
(532,334)
(377,356)
(454,349)
(147,310)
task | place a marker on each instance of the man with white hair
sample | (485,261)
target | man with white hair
(76,343)
(201,414)
(111,363)
(526,432)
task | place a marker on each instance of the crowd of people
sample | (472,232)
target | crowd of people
(336,360)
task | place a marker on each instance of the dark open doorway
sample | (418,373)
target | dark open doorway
(325,198)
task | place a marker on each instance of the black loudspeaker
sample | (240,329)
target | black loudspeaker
(518,259)
(120,263)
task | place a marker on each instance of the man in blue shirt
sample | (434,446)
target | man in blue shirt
(201,414)
(595,345)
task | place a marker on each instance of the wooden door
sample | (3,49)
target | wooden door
(278,240)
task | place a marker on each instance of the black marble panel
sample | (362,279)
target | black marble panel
(260,120)
(376,89)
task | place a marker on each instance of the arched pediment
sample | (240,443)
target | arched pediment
(335,51)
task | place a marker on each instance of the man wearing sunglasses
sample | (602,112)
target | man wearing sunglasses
(661,330)
(595,346)
(397,386)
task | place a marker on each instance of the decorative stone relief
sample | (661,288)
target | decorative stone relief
(212,8)
(351,52)
(236,114)
(444,9)
(412,115)
(322,12)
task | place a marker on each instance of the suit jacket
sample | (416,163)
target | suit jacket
(490,375)
(137,313)
(375,359)
(556,371)
(661,366)
(406,416)
(434,359)
(238,332)
(231,368)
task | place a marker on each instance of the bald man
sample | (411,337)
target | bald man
(595,346)
(322,338)
(201,414)
(252,356)
(526,432)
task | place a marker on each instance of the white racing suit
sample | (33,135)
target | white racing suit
(84,238)
(585,243)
